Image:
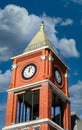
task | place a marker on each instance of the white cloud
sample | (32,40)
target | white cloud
(17,27)
(74,1)
(68,47)
(76,97)
(77,1)
(63,22)
(67,22)
(5,79)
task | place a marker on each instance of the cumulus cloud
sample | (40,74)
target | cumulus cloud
(76,97)
(5,79)
(14,29)
(17,27)
(68,47)
(67,22)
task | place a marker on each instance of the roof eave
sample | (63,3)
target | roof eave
(30,51)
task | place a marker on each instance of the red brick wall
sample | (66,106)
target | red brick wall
(9,109)
(45,101)
(30,128)
(44,127)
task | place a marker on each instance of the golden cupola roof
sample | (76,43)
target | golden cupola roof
(40,40)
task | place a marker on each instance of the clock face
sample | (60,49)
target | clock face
(29,71)
(57,76)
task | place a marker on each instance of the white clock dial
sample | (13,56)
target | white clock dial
(58,76)
(29,71)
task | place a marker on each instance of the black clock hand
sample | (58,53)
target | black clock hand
(29,69)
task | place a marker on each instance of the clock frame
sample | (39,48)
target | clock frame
(29,71)
(57,76)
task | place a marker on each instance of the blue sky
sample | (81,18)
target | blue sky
(19,22)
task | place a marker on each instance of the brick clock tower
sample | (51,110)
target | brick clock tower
(38,97)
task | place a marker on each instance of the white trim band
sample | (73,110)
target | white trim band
(38,84)
(33,123)
(39,50)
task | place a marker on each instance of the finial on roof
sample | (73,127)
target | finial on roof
(42,25)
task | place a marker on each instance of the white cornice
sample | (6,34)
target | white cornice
(28,52)
(59,92)
(38,84)
(23,54)
(33,123)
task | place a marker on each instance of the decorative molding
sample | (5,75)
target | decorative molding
(14,66)
(43,57)
(51,58)
(66,75)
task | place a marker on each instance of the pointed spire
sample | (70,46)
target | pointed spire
(39,40)
(42,25)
